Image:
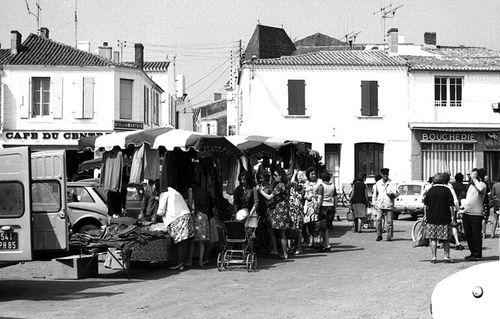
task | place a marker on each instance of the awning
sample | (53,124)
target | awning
(455,127)
(167,137)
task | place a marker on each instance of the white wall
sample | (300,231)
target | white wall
(480,90)
(333,103)
(163,80)
(16,89)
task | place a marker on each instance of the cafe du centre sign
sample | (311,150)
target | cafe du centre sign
(45,137)
(448,137)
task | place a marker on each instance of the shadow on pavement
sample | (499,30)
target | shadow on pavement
(38,290)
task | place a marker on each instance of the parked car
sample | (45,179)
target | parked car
(470,293)
(87,204)
(410,199)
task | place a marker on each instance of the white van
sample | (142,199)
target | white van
(33,211)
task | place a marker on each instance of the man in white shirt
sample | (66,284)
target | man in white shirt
(384,193)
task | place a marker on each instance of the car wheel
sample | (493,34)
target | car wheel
(88,228)
(395,216)
(414,216)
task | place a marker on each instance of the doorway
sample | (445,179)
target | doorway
(368,158)
(492,165)
(332,162)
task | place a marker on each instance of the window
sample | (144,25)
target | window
(156,108)
(232,130)
(45,196)
(126,99)
(146,105)
(11,199)
(79,195)
(208,128)
(296,97)
(88,98)
(40,92)
(448,91)
(369,98)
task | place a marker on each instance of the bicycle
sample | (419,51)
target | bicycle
(343,198)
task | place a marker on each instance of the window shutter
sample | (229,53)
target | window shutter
(365,98)
(56,97)
(24,98)
(296,97)
(88,97)
(126,99)
(373,98)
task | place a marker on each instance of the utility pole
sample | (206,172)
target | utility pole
(387,12)
(240,53)
(76,23)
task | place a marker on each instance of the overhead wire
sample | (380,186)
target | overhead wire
(210,85)
(210,72)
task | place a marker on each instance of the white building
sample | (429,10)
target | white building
(351,105)
(53,94)
(454,110)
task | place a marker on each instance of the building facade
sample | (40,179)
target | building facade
(454,96)
(54,94)
(351,105)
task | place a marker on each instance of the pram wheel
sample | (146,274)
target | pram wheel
(251,262)
(220,262)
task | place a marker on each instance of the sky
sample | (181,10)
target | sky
(201,34)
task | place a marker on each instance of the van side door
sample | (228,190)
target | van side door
(48,196)
(15,205)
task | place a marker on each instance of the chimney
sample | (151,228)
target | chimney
(217,97)
(116,56)
(15,42)
(83,46)
(393,41)
(430,38)
(105,51)
(139,55)
(44,32)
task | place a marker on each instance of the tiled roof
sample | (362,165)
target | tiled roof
(37,50)
(318,39)
(337,58)
(4,54)
(310,49)
(456,59)
(153,66)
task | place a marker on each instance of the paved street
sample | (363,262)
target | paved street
(360,278)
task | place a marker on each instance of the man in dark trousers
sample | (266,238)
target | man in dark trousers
(473,214)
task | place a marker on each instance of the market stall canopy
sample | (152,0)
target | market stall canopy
(256,145)
(167,137)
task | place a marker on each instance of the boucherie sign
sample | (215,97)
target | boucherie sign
(42,137)
(440,137)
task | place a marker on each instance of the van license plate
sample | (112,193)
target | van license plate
(9,241)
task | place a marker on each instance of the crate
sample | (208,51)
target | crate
(76,266)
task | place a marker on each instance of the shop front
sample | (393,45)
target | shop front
(454,150)
(55,139)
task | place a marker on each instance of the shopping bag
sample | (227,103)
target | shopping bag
(252,219)
(421,240)
(350,215)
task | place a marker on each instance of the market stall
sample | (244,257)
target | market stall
(187,157)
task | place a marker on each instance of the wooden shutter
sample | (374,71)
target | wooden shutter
(24,97)
(88,97)
(365,98)
(126,99)
(56,97)
(296,97)
(373,98)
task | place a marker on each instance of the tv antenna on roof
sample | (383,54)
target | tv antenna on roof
(387,12)
(37,15)
(350,37)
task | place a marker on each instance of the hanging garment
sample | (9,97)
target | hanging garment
(111,174)
(137,165)
(234,172)
(151,163)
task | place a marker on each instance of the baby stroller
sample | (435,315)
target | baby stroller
(238,248)
(369,220)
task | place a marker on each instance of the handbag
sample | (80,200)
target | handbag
(421,240)
(253,219)
(350,215)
